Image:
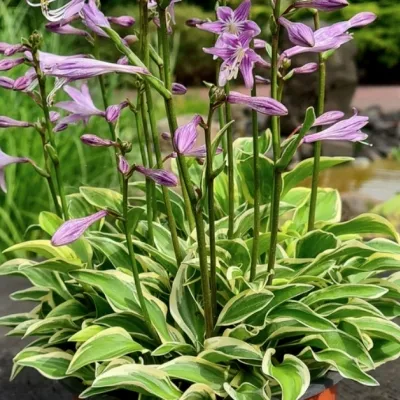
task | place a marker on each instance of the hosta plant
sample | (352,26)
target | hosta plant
(220,277)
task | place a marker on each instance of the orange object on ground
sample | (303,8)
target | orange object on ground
(328,394)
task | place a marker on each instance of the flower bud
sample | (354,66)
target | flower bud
(6,83)
(178,89)
(321,5)
(160,176)
(166,136)
(123,165)
(131,39)
(54,116)
(261,79)
(7,64)
(306,69)
(96,141)
(113,112)
(124,21)
(6,122)
(193,22)
(263,105)
(123,61)
(330,117)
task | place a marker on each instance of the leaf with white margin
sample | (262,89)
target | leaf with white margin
(198,391)
(247,391)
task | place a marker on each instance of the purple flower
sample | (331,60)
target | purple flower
(306,69)
(94,19)
(299,34)
(6,122)
(6,83)
(123,61)
(186,135)
(69,9)
(10,49)
(72,230)
(263,105)
(362,19)
(96,141)
(328,118)
(194,22)
(178,89)
(348,129)
(81,107)
(259,44)
(233,22)
(322,5)
(114,112)
(159,176)
(7,64)
(124,21)
(26,82)
(237,55)
(84,68)
(261,79)
(54,116)
(6,160)
(170,13)
(123,165)
(66,29)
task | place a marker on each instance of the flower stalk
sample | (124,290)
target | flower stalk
(317,145)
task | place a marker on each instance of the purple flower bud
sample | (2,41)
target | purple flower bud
(27,81)
(186,135)
(124,21)
(12,49)
(160,176)
(6,83)
(54,116)
(66,29)
(6,160)
(306,69)
(322,5)
(73,229)
(328,118)
(96,141)
(129,40)
(114,112)
(123,61)
(60,127)
(299,34)
(166,136)
(194,22)
(7,64)
(362,19)
(261,79)
(6,122)
(259,44)
(178,89)
(123,165)
(263,105)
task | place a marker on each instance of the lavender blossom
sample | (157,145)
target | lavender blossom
(348,130)
(81,107)
(306,69)
(67,29)
(328,118)
(237,56)
(113,112)
(26,82)
(299,34)
(6,122)
(96,141)
(185,136)
(94,19)
(124,21)
(160,176)
(11,49)
(7,64)
(54,116)
(6,160)
(73,229)
(261,79)
(178,89)
(66,11)
(263,105)
(322,5)
(233,22)
(194,22)
(6,83)
(123,165)
(259,44)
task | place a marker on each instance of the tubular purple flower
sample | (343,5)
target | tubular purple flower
(66,11)
(194,22)
(160,176)
(263,105)
(322,5)
(67,29)
(233,22)
(362,19)
(54,116)
(185,136)
(261,79)
(259,44)
(178,89)
(6,160)
(299,34)
(113,112)
(306,69)
(84,68)
(10,49)
(123,165)
(94,19)
(124,21)
(237,56)
(6,83)
(6,122)
(7,64)
(328,118)
(96,141)
(26,82)
(348,130)
(73,229)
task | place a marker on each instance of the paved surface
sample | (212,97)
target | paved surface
(29,385)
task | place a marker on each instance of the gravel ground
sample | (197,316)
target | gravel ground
(29,385)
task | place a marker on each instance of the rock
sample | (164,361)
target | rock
(337,149)
(354,204)
(361,163)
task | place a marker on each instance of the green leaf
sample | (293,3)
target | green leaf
(135,214)
(384,351)
(198,391)
(292,374)
(304,170)
(106,345)
(240,255)
(377,327)
(246,391)
(55,265)
(185,310)
(167,348)
(143,379)
(30,294)
(344,291)
(15,319)
(75,309)
(50,325)
(243,146)
(243,306)
(196,370)
(365,224)
(105,199)
(86,333)
(314,243)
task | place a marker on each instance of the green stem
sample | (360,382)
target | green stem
(276,144)
(231,174)
(139,128)
(257,190)
(134,266)
(157,147)
(317,145)
(198,215)
(50,134)
(211,212)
